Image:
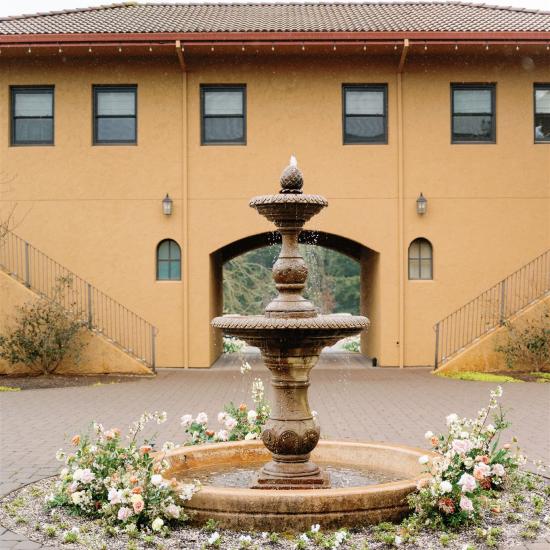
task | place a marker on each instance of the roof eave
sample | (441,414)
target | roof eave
(290,37)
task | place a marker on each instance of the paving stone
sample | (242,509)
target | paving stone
(27,545)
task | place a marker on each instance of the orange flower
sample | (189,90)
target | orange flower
(242,407)
(485,483)
(137,490)
(434,440)
(210,433)
(134,480)
(144,449)
(75,440)
(482,458)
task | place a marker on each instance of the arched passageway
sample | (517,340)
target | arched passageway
(367,259)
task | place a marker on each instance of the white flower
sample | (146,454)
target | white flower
(202,418)
(60,455)
(187,491)
(173,511)
(498,470)
(340,536)
(186,420)
(245,367)
(264,535)
(397,540)
(304,538)
(124,513)
(83,475)
(222,417)
(250,435)
(114,496)
(468,462)
(451,419)
(77,497)
(315,528)
(424,459)
(157,524)
(428,435)
(466,504)
(245,538)
(467,482)
(252,415)
(222,435)
(461,446)
(446,486)
(490,428)
(168,446)
(156,479)
(63,473)
(161,417)
(75,530)
(230,422)
(213,538)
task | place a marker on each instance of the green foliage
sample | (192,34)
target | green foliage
(477,376)
(333,281)
(210,525)
(528,344)
(232,345)
(8,388)
(44,333)
(352,344)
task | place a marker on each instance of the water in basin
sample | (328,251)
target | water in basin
(232,475)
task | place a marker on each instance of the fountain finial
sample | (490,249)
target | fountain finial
(292,180)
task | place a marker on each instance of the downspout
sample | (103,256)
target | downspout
(185,203)
(401,203)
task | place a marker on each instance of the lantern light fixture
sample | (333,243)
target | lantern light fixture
(421,204)
(167,204)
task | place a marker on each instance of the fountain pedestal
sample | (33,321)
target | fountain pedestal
(291,335)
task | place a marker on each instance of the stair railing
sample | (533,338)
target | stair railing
(491,308)
(101,313)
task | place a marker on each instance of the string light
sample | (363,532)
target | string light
(151,49)
(303,47)
(90,50)
(334,48)
(212,49)
(272,48)
(29,50)
(364,48)
(242,48)
(517,48)
(425,47)
(395,47)
(60,50)
(487,47)
(456,46)
(119,49)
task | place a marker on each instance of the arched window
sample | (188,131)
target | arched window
(168,261)
(420,259)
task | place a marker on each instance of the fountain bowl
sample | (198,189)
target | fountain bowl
(296,510)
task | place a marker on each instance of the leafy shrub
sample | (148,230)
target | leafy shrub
(468,465)
(528,345)
(232,345)
(353,345)
(44,334)
(238,422)
(121,484)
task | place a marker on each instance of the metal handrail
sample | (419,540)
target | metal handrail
(491,308)
(104,315)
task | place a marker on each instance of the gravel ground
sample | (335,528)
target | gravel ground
(23,511)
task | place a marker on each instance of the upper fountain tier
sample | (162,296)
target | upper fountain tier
(290,312)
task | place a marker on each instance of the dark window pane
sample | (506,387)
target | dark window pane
(116,129)
(116,103)
(175,273)
(230,129)
(473,128)
(542,101)
(414,268)
(163,270)
(29,104)
(174,250)
(223,102)
(542,127)
(39,130)
(365,128)
(164,250)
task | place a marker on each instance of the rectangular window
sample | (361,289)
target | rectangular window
(542,113)
(365,113)
(223,115)
(115,114)
(32,115)
(473,113)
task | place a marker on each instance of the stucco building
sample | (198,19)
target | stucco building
(105,111)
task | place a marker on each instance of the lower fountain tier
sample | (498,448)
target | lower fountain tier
(271,333)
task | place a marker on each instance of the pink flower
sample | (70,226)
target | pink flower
(230,423)
(222,435)
(466,504)
(462,446)
(124,513)
(138,506)
(467,482)
(481,471)
(498,470)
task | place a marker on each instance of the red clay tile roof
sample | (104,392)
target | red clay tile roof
(303,17)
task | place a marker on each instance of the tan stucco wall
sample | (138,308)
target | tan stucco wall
(97,210)
(97,357)
(482,356)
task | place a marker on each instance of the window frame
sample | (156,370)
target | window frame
(366,88)
(492,87)
(169,260)
(96,89)
(221,88)
(538,86)
(31,88)
(419,258)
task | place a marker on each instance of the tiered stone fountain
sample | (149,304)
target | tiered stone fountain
(291,335)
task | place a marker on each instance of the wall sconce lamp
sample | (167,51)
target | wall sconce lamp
(167,204)
(421,204)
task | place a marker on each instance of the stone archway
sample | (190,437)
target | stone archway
(369,278)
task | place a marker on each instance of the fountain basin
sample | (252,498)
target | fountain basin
(296,510)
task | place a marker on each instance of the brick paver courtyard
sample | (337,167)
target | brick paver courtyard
(353,402)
